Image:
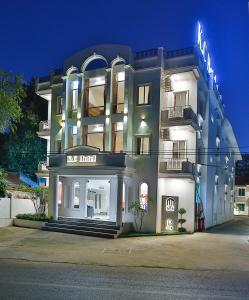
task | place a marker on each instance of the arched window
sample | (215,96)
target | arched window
(170,204)
(143,195)
(76,194)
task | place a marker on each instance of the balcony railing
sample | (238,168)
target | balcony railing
(176,165)
(173,115)
(44,126)
(42,166)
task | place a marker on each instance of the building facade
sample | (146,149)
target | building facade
(146,126)
(241,203)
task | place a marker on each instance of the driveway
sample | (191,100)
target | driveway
(224,247)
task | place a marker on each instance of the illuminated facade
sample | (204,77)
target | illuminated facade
(127,126)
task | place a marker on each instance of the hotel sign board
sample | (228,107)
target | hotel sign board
(202,44)
(82,159)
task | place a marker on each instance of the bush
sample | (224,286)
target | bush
(33,217)
(182,229)
(3,183)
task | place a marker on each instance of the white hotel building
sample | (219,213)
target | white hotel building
(125,126)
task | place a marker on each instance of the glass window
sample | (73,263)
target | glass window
(117,137)
(96,96)
(74,136)
(59,101)
(119,92)
(58,146)
(179,150)
(76,194)
(143,94)
(242,192)
(143,195)
(180,98)
(123,198)
(94,136)
(240,207)
(143,145)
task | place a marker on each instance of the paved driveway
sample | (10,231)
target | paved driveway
(225,247)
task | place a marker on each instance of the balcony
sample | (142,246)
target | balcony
(42,169)
(44,129)
(178,115)
(176,166)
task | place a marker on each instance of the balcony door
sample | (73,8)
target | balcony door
(179,150)
(180,99)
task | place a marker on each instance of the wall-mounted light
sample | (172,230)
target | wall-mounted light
(107,112)
(78,115)
(78,123)
(63,116)
(107,120)
(125,119)
(63,124)
(125,110)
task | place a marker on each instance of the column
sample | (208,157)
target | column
(55,197)
(119,199)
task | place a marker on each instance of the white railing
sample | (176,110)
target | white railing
(44,126)
(174,164)
(176,112)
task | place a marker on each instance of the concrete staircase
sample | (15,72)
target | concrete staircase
(97,228)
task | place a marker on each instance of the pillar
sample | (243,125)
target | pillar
(119,199)
(55,197)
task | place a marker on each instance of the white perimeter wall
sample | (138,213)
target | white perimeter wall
(9,208)
(185,190)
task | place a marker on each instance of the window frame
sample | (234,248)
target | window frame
(136,144)
(114,132)
(148,193)
(86,133)
(241,189)
(149,84)
(59,108)
(178,92)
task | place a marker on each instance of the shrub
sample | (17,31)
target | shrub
(181,221)
(3,183)
(33,217)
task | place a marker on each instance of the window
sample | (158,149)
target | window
(58,146)
(240,207)
(95,96)
(123,198)
(60,194)
(94,136)
(76,195)
(74,95)
(180,99)
(117,137)
(118,92)
(143,145)
(143,195)
(59,102)
(179,150)
(144,94)
(74,136)
(241,192)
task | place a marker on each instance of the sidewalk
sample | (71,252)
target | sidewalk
(224,247)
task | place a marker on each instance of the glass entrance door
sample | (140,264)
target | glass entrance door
(98,199)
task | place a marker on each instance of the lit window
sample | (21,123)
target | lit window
(143,145)
(143,195)
(179,150)
(123,198)
(76,194)
(95,96)
(117,137)
(119,93)
(60,194)
(143,94)
(74,95)
(94,136)
(59,105)
(74,136)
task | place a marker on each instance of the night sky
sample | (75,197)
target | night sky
(36,37)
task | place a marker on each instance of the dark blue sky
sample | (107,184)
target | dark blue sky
(36,37)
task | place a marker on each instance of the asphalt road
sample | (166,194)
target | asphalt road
(27,280)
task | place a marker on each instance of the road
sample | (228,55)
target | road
(39,281)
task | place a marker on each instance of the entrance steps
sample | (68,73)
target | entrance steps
(90,227)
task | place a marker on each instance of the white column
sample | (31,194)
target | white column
(119,199)
(56,196)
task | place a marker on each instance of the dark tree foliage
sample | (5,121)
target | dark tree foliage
(22,149)
(242,166)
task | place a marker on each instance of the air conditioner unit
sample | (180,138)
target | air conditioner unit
(165,134)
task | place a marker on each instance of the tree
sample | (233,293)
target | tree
(12,91)
(22,149)
(3,183)
(138,212)
(182,211)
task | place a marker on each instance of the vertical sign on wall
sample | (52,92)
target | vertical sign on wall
(169,213)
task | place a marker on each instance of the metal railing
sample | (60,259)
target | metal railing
(176,112)
(44,126)
(174,164)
